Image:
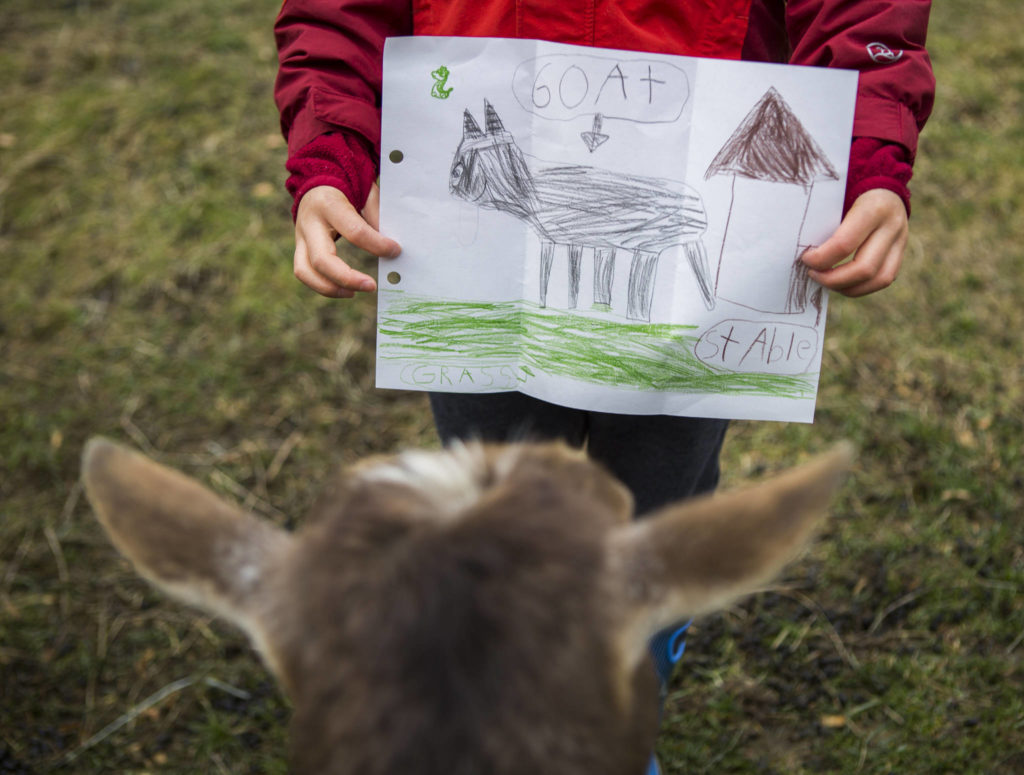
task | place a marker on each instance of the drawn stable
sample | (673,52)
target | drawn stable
(605,229)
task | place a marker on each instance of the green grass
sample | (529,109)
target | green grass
(146,294)
(601,351)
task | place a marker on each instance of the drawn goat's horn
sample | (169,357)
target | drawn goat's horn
(470,129)
(492,123)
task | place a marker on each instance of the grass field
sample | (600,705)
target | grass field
(146,294)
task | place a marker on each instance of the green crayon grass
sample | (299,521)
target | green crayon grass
(639,356)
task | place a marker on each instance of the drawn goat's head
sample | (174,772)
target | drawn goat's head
(489,168)
(484,609)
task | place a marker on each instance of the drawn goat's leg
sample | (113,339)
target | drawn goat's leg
(547,256)
(641,284)
(698,258)
(604,270)
(575,260)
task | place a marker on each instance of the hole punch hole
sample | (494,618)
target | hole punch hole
(394,278)
(396,156)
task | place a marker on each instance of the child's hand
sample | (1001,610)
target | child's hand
(324,214)
(875,232)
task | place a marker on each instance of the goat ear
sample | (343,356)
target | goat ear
(181,536)
(492,124)
(699,555)
(470,129)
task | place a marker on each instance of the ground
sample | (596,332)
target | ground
(146,294)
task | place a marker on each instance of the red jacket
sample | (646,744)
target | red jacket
(328,85)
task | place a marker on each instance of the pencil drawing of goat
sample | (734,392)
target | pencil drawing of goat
(577,206)
(481,609)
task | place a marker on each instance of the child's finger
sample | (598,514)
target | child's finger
(883,278)
(873,267)
(875,210)
(354,228)
(309,277)
(863,267)
(371,210)
(843,243)
(324,260)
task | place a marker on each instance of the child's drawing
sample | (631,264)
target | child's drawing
(439,90)
(574,207)
(559,87)
(771,156)
(579,272)
(595,138)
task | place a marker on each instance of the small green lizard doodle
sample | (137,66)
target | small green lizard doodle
(440,76)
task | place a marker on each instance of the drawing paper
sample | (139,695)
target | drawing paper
(607,230)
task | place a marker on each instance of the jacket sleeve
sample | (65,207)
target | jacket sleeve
(339,159)
(330,54)
(877,164)
(884,40)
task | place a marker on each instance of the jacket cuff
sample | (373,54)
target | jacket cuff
(874,164)
(887,120)
(342,160)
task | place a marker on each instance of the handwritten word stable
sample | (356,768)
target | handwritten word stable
(751,346)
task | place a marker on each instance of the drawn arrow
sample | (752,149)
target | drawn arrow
(594,138)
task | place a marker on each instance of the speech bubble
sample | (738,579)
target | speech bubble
(758,346)
(561,87)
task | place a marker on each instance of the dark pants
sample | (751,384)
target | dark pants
(661,459)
